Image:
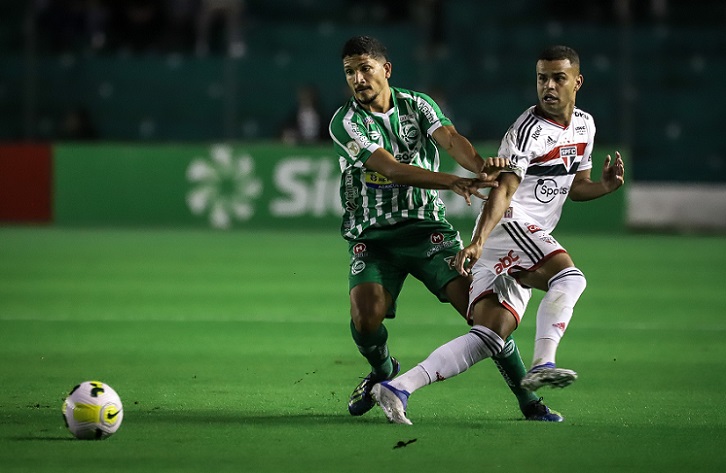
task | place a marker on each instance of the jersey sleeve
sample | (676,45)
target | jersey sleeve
(586,162)
(509,148)
(350,137)
(432,117)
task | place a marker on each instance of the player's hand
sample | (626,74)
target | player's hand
(613,176)
(466,187)
(466,258)
(492,167)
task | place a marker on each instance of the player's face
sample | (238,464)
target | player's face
(367,79)
(557,86)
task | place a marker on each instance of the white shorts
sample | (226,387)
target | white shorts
(513,245)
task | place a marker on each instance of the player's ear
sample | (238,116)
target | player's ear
(387,67)
(578,82)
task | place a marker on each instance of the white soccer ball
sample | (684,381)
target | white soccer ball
(93,411)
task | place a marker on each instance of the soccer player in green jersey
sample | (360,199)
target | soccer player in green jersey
(388,140)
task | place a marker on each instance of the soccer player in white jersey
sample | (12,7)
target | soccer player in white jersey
(387,139)
(549,148)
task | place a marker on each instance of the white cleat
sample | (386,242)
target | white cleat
(547,375)
(392,401)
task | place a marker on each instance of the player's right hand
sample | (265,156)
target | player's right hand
(466,187)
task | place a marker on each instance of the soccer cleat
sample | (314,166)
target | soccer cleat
(392,401)
(547,375)
(536,410)
(361,401)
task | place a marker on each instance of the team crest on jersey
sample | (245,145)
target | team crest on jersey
(533,228)
(359,249)
(568,154)
(410,133)
(357,267)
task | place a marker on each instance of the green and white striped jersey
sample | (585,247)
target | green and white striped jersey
(369,199)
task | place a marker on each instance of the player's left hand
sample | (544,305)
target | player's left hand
(613,176)
(466,258)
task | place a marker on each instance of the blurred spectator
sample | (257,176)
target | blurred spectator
(307,124)
(77,125)
(229,12)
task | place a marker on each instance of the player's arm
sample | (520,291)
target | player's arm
(583,188)
(459,147)
(492,212)
(383,162)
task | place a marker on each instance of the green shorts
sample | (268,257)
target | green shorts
(425,249)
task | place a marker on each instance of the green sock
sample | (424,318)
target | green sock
(375,349)
(510,365)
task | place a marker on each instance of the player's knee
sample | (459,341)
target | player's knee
(570,281)
(367,318)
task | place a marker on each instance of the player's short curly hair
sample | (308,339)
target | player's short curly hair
(559,53)
(359,45)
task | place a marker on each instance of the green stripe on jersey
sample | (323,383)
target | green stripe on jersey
(369,199)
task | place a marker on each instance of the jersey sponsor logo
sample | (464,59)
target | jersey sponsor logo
(440,246)
(537,132)
(353,148)
(506,262)
(437,238)
(533,228)
(560,326)
(581,114)
(547,189)
(368,121)
(375,180)
(581,130)
(508,213)
(405,158)
(359,248)
(357,267)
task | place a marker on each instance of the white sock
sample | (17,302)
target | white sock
(554,313)
(452,358)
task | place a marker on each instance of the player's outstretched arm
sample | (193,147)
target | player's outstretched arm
(459,147)
(492,212)
(613,177)
(384,163)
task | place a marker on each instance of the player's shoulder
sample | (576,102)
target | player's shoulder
(528,130)
(581,115)
(346,113)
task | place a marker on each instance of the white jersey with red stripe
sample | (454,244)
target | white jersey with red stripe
(546,155)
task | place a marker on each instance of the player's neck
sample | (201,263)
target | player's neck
(382,103)
(563,120)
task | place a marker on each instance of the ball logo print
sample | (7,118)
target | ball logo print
(93,411)
(224,187)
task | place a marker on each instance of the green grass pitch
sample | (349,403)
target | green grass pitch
(231,352)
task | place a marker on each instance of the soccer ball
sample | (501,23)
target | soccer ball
(93,411)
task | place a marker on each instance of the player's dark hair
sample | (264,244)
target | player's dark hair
(359,45)
(559,53)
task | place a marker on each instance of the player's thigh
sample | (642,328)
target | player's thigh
(375,282)
(539,278)
(491,313)
(457,292)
